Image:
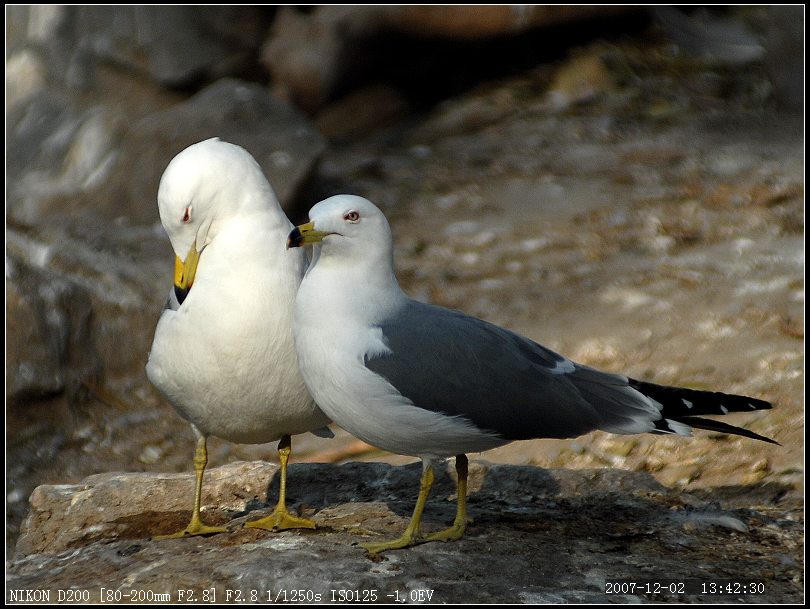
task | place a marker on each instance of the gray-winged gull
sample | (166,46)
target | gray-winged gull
(422,380)
(223,352)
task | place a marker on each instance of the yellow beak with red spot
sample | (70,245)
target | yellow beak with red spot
(305,234)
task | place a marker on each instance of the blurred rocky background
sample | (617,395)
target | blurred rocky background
(624,185)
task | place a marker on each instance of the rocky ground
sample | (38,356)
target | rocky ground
(539,536)
(634,206)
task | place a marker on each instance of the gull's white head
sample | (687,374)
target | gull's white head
(346,226)
(206,183)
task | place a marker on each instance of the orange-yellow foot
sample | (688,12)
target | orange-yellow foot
(281,520)
(407,539)
(410,538)
(453,533)
(193,529)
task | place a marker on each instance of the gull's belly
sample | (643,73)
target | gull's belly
(236,391)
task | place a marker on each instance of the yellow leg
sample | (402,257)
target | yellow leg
(196,527)
(281,518)
(413,532)
(460,523)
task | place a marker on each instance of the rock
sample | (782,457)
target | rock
(62,152)
(33,24)
(114,280)
(361,112)
(563,535)
(580,80)
(133,506)
(83,298)
(74,159)
(25,75)
(47,332)
(50,352)
(88,92)
(784,55)
(310,53)
(720,39)
(694,521)
(487,21)
(281,139)
(172,45)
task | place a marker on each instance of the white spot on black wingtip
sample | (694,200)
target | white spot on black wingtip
(751,406)
(724,409)
(686,402)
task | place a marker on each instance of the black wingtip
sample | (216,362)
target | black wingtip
(680,402)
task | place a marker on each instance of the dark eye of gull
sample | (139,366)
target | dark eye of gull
(187,215)
(351,216)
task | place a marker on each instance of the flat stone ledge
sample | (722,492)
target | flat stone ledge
(538,536)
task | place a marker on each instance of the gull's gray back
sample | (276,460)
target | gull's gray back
(448,362)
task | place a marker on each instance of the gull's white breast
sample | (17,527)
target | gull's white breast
(333,334)
(226,359)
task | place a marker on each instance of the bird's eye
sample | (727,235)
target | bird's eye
(351,216)
(187,215)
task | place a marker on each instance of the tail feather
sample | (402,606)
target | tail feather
(681,406)
(724,428)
